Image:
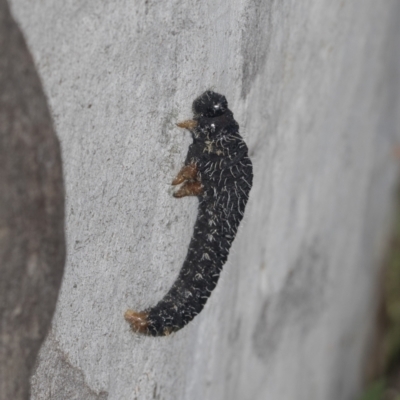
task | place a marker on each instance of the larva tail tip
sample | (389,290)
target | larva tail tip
(138,321)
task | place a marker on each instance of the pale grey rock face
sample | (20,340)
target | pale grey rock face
(314,87)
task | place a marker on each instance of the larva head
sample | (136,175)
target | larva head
(210,104)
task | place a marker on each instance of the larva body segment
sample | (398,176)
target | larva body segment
(217,170)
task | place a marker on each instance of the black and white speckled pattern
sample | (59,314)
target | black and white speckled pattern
(226,174)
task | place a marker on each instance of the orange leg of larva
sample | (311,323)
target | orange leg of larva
(188,124)
(137,320)
(189,189)
(187,173)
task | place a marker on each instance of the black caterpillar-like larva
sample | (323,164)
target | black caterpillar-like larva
(217,170)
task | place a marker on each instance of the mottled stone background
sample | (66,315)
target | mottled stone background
(314,86)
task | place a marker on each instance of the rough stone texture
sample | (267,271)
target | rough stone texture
(32,245)
(314,86)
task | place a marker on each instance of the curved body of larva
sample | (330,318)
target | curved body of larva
(217,170)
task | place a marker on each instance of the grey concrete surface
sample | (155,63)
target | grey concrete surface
(314,86)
